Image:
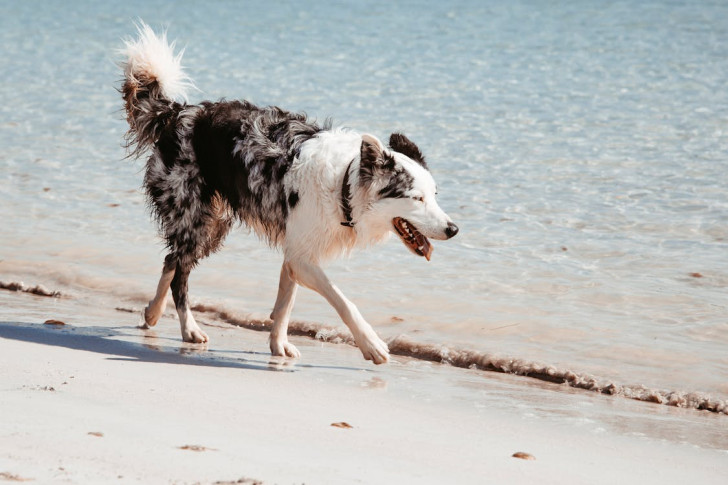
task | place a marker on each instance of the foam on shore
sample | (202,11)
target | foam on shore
(471,359)
(39,290)
(456,357)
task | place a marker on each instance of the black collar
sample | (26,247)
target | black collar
(346,198)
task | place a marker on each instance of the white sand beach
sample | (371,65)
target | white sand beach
(98,400)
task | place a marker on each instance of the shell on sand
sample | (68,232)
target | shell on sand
(196,448)
(523,456)
(54,322)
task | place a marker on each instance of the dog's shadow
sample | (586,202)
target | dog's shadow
(107,340)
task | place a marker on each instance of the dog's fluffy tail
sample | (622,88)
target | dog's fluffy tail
(153,81)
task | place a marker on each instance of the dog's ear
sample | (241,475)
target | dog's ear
(374,159)
(371,150)
(400,143)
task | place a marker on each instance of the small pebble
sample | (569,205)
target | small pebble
(195,448)
(523,456)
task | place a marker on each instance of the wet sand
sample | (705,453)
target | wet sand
(99,400)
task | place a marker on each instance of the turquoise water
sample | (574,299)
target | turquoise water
(581,148)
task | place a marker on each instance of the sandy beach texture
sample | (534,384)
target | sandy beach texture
(98,400)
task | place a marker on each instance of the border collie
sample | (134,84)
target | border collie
(313,191)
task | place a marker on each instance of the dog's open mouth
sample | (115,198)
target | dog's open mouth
(412,238)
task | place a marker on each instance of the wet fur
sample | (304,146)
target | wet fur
(217,163)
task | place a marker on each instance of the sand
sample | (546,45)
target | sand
(98,400)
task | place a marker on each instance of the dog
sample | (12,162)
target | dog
(315,192)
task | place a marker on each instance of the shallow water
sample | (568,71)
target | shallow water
(579,147)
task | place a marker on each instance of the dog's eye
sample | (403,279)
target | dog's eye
(419,198)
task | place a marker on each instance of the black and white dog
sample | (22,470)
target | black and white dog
(315,192)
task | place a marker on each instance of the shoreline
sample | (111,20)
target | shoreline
(403,346)
(471,359)
(160,410)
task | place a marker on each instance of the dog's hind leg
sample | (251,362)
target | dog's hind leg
(156,307)
(193,231)
(311,276)
(203,235)
(191,331)
(279,344)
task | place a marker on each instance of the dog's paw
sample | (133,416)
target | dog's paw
(143,320)
(373,348)
(284,349)
(195,335)
(149,318)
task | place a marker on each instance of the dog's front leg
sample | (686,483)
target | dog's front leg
(313,277)
(279,344)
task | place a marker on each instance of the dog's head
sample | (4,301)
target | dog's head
(402,193)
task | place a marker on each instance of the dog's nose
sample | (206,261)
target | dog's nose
(451,230)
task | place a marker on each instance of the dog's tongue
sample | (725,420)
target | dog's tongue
(424,248)
(412,238)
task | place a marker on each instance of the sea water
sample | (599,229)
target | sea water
(580,146)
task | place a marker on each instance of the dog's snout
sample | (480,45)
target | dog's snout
(451,230)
